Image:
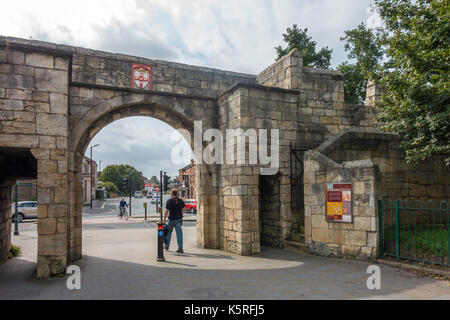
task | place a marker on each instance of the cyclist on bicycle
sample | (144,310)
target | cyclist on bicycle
(123,204)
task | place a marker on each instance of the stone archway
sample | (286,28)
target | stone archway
(170,110)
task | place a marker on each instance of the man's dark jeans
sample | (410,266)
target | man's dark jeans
(175,223)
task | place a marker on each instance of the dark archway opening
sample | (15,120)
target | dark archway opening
(269,210)
(15,164)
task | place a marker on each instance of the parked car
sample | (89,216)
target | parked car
(138,194)
(191,206)
(25,210)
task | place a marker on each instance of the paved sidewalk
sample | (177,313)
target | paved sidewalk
(120,263)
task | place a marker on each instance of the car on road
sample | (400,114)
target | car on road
(138,194)
(25,210)
(149,195)
(191,206)
(155,198)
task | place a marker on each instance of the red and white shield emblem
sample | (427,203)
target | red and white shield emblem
(141,76)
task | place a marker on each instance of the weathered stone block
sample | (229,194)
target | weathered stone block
(24,116)
(355,238)
(337,236)
(318,221)
(39,60)
(372,239)
(42,210)
(51,180)
(46,226)
(51,124)
(51,80)
(58,103)
(39,153)
(362,223)
(41,96)
(47,142)
(56,210)
(6,104)
(52,245)
(61,63)
(16,81)
(17,94)
(61,225)
(60,196)
(47,166)
(33,106)
(350,251)
(320,235)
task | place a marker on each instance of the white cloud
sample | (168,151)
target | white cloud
(142,142)
(238,35)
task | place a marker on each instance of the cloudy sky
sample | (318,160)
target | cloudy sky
(237,35)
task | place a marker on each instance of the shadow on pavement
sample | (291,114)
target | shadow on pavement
(111,279)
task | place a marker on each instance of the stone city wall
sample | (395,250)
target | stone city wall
(55,98)
(375,165)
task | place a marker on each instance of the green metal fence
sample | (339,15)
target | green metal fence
(414,232)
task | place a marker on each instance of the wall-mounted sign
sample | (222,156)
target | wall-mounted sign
(141,76)
(338,202)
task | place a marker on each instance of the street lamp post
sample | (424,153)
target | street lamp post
(100,166)
(16,213)
(91,171)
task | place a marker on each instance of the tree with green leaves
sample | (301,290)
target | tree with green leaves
(110,187)
(116,173)
(299,39)
(154,180)
(364,47)
(111,174)
(416,102)
(137,180)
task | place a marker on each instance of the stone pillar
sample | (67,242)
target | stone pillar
(52,211)
(245,204)
(207,211)
(285,73)
(51,79)
(5,221)
(373,92)
(74,200)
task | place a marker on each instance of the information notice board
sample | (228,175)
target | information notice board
(338,202)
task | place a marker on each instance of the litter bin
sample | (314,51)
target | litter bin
(101,194)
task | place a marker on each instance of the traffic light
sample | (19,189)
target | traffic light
(125,184)
(166,183)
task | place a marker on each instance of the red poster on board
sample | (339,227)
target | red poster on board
(338,200)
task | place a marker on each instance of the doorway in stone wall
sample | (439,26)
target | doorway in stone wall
(297,192)
(17,164)
(269,210)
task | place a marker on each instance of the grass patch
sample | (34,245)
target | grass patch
(14,251)
(425,240)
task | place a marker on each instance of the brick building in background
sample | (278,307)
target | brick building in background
(86,179)
(186,178)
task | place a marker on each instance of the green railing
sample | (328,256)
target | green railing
(414,232)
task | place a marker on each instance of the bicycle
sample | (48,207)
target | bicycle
(123,213)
